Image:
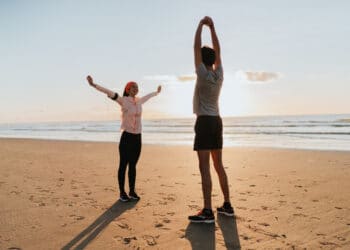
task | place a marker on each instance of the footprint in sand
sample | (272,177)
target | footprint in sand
(158,225)
(15,192)
(123,225)
(180,183)
(194,207)
(166,220)
(300,215)
(327,243)
(60,182)
(74,184)
(262,231)
(170,197)
(239,218)
(242,208)
(182,233)
(148,204)
(244,237)
(340,238)
(127,240)
(151,240)
(264,224)
(164,185)
(77,217)
(254,210)
(43,190)
(264,175)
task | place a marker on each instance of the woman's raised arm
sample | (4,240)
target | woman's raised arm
(108,92)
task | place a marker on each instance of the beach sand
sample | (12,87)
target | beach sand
(64,195)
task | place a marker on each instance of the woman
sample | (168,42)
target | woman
(130,141)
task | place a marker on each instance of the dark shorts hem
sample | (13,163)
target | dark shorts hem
(208,133)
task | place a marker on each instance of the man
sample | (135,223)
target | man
(208,128)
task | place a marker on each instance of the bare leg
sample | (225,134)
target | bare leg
(204,167)
(217,159)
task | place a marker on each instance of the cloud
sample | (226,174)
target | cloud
(258,76)
(171,78)
(186,78)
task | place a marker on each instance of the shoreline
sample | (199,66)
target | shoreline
(178,145)
(63,194)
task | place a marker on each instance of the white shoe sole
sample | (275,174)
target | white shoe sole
(134,198)
(227,214)
(203,221)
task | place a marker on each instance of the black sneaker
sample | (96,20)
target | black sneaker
(204,216)
(124,197)
(134,196)
(226,209)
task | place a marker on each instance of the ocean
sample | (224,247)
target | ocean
(321,132)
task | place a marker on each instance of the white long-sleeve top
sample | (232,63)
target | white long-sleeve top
(132,112)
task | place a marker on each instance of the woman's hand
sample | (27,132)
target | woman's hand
(159,89)
(91,81)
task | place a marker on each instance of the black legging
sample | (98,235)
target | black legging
(129,153)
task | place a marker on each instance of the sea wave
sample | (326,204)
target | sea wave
(315,132)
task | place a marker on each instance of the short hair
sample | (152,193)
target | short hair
(208,55)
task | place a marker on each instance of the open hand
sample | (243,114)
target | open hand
(91,81)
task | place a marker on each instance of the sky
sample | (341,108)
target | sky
(279,57)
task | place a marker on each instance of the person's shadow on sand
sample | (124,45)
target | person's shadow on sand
(229,230)
(88,234)
(202,236)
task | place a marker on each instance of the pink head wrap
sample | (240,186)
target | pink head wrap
(128,86)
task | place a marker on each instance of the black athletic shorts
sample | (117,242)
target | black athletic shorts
(208,131)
